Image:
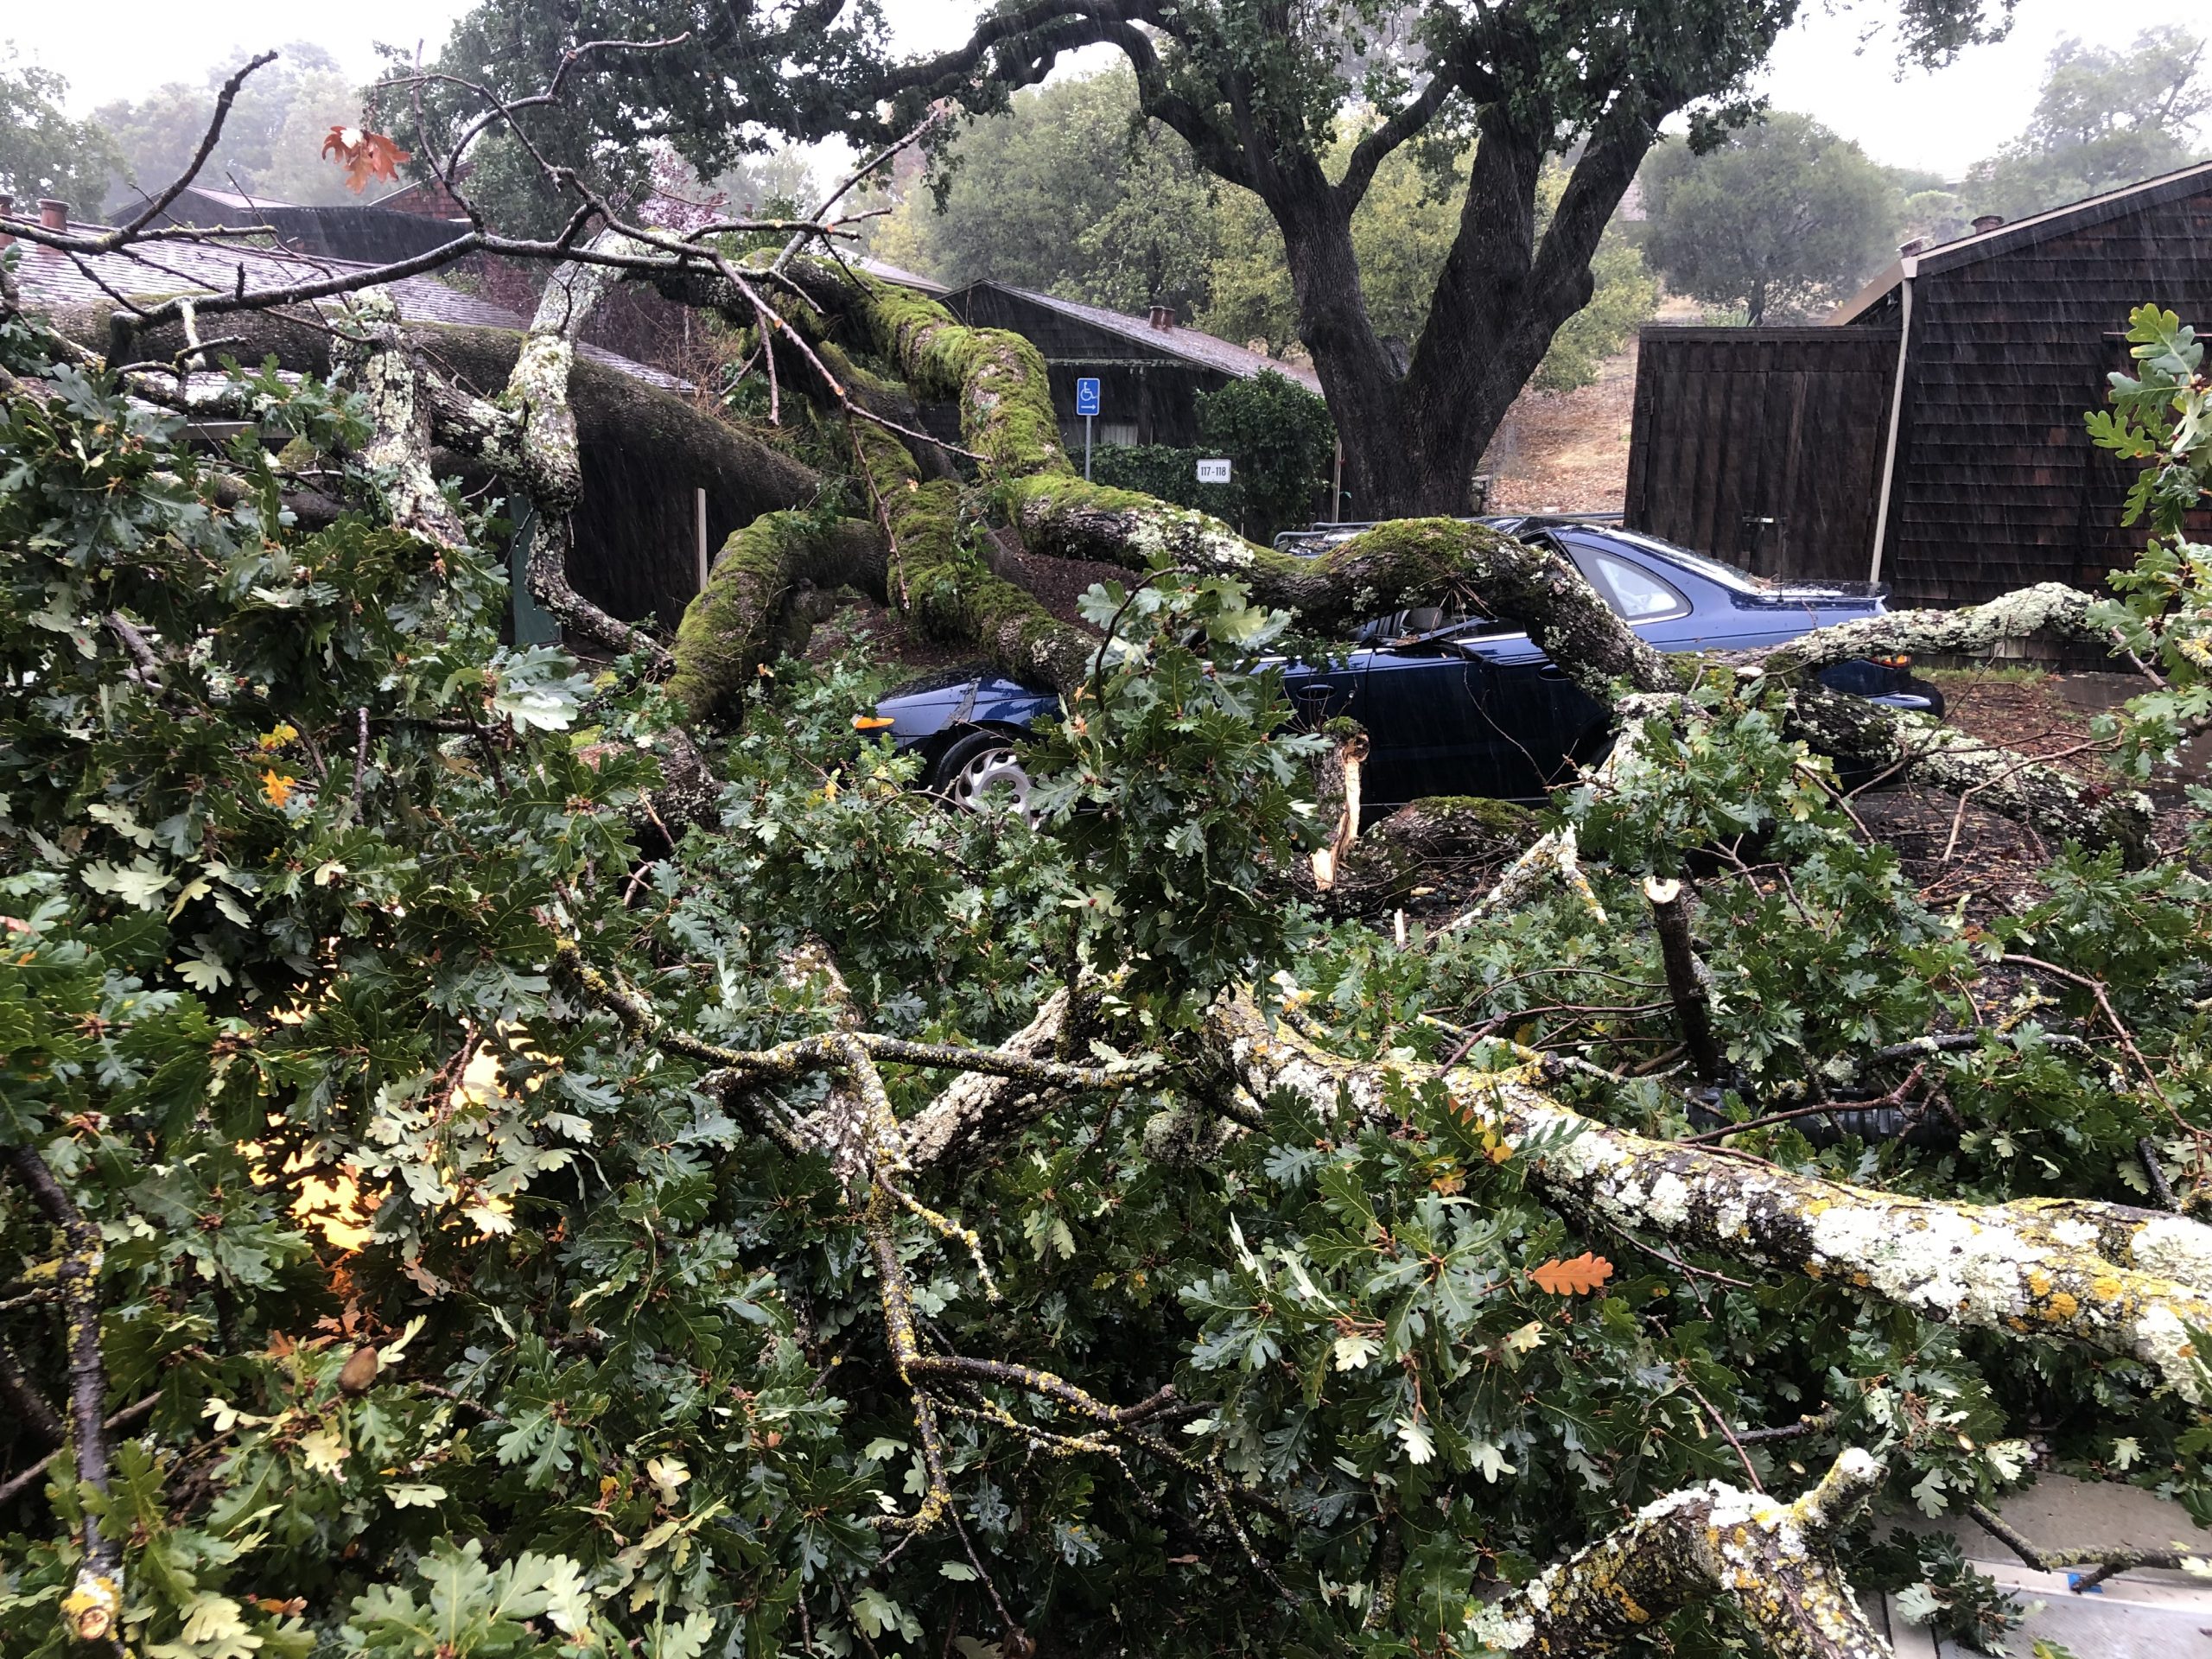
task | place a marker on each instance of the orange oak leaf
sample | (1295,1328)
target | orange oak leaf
(365,155)
(1577,1276)
(276,788)
(870,722)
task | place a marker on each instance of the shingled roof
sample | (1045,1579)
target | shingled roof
(161,270)
(2026,232)
(1189,344)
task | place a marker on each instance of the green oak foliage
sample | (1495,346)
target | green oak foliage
(713,79)
(635,1393)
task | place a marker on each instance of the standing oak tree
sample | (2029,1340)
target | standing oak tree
(1258,89)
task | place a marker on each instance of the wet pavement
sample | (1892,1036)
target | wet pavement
(2145,1614)
(2096,692)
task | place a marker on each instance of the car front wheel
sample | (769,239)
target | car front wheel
(982,773)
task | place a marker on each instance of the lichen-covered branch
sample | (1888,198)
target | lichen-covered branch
(1775,1559)
(978,1107)
(2046,607)
(2109,1562)
(94,1605)
(2020,1268)
(2049,798)
(375,357)
(548,462)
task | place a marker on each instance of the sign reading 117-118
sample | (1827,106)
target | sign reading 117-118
(1086,404)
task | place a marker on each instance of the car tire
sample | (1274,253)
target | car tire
(982,771)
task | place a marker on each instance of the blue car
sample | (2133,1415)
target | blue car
(1453,704)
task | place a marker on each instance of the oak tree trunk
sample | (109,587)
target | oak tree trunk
(1414,433)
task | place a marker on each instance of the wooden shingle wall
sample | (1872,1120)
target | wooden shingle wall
(1998,483)
(1762,447)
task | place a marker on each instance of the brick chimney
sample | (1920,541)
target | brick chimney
(1917,244)
(7,206)
(53,216)
(1987,222)
(1163,318)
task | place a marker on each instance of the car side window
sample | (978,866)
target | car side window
(1633,592)
(1430,619)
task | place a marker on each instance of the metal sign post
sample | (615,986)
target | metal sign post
(1086,404)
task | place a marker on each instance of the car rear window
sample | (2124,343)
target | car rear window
(1633,592)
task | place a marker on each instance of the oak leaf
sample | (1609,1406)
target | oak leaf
(365,155)
(1577,1276)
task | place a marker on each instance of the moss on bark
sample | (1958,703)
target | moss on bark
(937,575)
(757,603)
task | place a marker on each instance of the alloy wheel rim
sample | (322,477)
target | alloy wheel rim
(995,781)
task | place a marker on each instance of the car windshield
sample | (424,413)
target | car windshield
(1712,569)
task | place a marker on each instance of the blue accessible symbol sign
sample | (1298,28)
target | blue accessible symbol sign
(1086,404)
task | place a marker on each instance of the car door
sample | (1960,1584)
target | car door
(1429,696)
(1319,692)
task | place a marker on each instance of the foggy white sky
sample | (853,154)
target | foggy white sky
(1942,121)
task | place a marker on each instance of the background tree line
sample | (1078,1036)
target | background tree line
(1072,192)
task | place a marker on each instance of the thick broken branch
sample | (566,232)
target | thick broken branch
(2019,1268)
(2046,607)
(1686,975)
(1776,1560)
(978,1106)
(375,358)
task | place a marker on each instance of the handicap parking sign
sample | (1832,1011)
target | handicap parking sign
(1086,397)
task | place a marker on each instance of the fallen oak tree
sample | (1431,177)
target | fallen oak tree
(450,891)
(998,383)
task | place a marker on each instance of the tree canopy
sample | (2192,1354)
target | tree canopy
(1260,94)
(727,78)
(2103,119)
(1073,191)
(1780,217)
(42,152)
